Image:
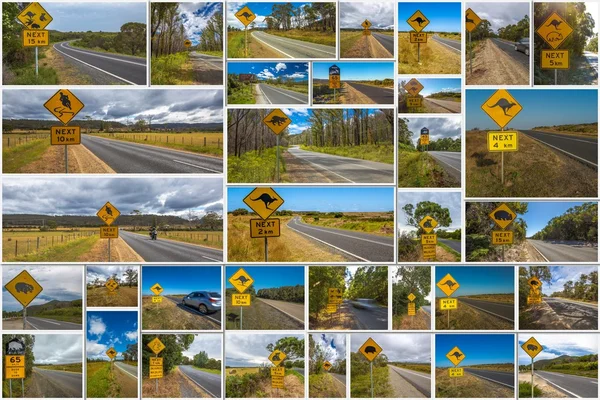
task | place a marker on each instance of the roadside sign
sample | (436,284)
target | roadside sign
(187,43)
(156,345)
(413,87)
(448,303)
(448,285)
(277,357)
(277,371)
(111,353)
(555,30)
(24,288)
(502,237)
(241,280)
(414,101)
(428,224)
(264,201)
(35,37)
(14,372)
(331,308)
(334,70)
(501,107)
(109,232)
(472,20)
(277,382)
(428,250)
(503,141)
(241,300)
(418,37)
(14,361)
(411,297)
(277,121)
(335,82)
(503,216)
(327,365)
(555,59)
(65,135)
(157,289)
(429,238)
(108,213)
(111,285)
(425,131)
(64,105)
(532,347)
(534,283)
(424,139)
(534,299)
(366,24)
(412,309)
(156,361)
(455,356)
(34,16)
(156,371)
(370,349)
(335,295)
(366,32)
(245,16)
(265,227)
(418,21)
(156,299)
(456,372)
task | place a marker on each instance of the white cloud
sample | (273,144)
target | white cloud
(380,14)
(404,347)
(265,74)
(280,66)
(131,336)
(97,326)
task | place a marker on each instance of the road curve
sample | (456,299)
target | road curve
(293,48)
(584,149)
(571,385)
(386,41)
(509,49)
(449,160)
(293,310)
(163,250)
(379,95)
(214,317)
(133,158)
(358,245)
(69,383)
(453,244)
(276,95)
(127,69)
(214,62)
(421,382)
(453,45)
(51,324)
(129,369)
(565,250)
(373,317)
(210,383)
(346,169)
(501,310)
(447,106)
(499,377)
(577,314)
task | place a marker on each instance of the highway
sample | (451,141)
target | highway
(592,59)
(449,160)
(214,317)
(358,245)
(210,383)
(130,370)
(571,385)
(387,41)
(421,382)
(500,377)
(126,157)
(453,244)
(162,250)
(577,314)
(68,384)
(565,250)
(584,149)
(449,43)
(346,169)
(444,106)
(51,324)
(509,49)
(427,309)
(299,370)
(276,95)
(501,310)
(369,317)
(339,377)
(208,70)
(379,95)
(293,48)
(292,310)
(213,62)
(126,69)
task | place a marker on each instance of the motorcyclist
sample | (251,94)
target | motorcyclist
(153,233)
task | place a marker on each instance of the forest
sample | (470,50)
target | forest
(131,40)
(415,280)
(309,17)
(294,294)
(320,279)
(511,32)
(172,355)
(577,223)
(369,283)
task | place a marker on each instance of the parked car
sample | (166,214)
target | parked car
(522,45)
(205,302)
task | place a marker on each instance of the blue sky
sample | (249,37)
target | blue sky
(477,348)
(84,16)
(355,199)
(563,274)
(449,200)
(539,213)
(556,345)
(443,17)
(355,70)
(106,329)
(540,108)
(477,280)
(181,280)
(195,17)
(297,71)
(261,10)
(244,349)
(270,277)
(435,85)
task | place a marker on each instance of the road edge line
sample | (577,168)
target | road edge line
(203,388)
(557,386)
(186,307)
(123,369)
(562,151)
(447,45)
(103,56)
(539,252)
(491,313)
(273,47)
(348,236)
(493,380)
(286,313)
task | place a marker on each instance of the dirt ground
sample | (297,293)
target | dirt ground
(492,66)
(547,391)
(401,387)
(81,160)
(67,73)
(173,385)
(299,171)
(353,96)
(367,47)
(119,251)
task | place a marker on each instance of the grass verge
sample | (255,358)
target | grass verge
(15,158)
(419,169)
(372,152)
(68,252)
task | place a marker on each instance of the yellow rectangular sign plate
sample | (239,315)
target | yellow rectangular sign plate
(241,300)
(503,141)
(277,382)
(157,299)
(35,37)
(65,135)
(429,239)
(448,304)
(429,250)
(456,372)
(555,59)
(534,299)
(334,82)
(418,37)
(14,372)
(260,228)
(412,310)
(277,371)
(156,361)
(156,371)
(502,237)
(331,308)
(109,232)
(414,101)
(14,361)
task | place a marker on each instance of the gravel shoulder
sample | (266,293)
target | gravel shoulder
(492,66)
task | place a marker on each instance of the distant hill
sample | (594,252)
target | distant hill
(96,125)
(558,362)
(52,305)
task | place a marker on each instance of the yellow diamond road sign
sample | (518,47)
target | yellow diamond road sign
(277,357)
(411,297)
(264,201)
(34,16)
(428,224)
(156,345)
(555,30)
(366,24)
(187,43)
(108,213)
(327,365)
(111,353)
(448,285)
(535,283)
(370,349)
(157,289)
(277,121)
(472,20)
(418,21)
(64,105)
(503,216)
(532,347)
(413,87)
(455,356)
(245,16)
(241,280)
(24,288)
(501,107)
(111,285)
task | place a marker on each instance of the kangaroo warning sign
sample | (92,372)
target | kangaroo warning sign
(428,224)
(277,357)
(503,141)
(413,87)
(245,16)
(157,289)
(501,107)
(24,288)
(370,349)
(532,347)
(418,21)
(554,30)
(448,285)
(111,285)
(411,297)
(35,37)
(456,356)
(64,105)
(34,16)
(503,216)
(366,24)
(327,365)
(108,213)
(111,353)
(277,121)
(241,280)
(187,43)
(156,345)
(264,201)
(334,295)
(472,20)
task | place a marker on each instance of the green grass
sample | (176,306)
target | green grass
(67,314)
(372,152)
(255,167)
(323,386)
(380,226)
(26,76)
(216,53)
(419,169)
(243,94)
(360,384)
(98,379)
(525,390)
(76,43)
(347,40)
(15,158)
(326,38)
(415,367)
(235,44)
(589,373)
(450,250)
(16,387)
(167,70)
(210,371)
(296,374)
(75,367)
(67,252)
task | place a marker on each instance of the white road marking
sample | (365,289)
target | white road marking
(275,38)
(99,55)
(349,236)
(196,166)
(124,370)
(283,93)
(564,151)
(196,382)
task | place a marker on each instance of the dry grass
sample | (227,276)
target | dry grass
(319,37)
(241,371)
(125,297)
(469,318)
(169,316)
(22,245)
(203,238)
(508,298)
(172,386)
(468,386)
(404,322)
(259,316)
(435,58)
(67,73)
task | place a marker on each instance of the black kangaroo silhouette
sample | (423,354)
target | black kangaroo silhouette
(43,17)
(467,19)
(64,99)
(555,23)
(265,198)
(457,355)
(505,105)
(242,280)
(245,15)
(30,14)
(418,20)
(449,283)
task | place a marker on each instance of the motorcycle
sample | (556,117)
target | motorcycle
(153,234)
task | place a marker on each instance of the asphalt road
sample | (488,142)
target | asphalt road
(168,250)
(127,69)
(359,245)
(584,149)
(348,169)
(427,309)
(293,48)
(211,383)
(509,48)
(131,370)
(579,315)
(592,59)
(453,244)
(339,377)
(572,385)
(214,317)
(448,105)
(565,250)
(50,324)
(126,157)
(379,95)
(70,383)
(449,160)
(299,370)
(293,310)
(500,310)
(373,317)
(276,95)
(451,44)
(500,377)
(213,62)
(386,41)
(421,382)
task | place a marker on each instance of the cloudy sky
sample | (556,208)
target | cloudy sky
(297,71)
(450,200)
(103,272)
(380,14)
(250,350)
(94,16)
(439,128)
(125,106)
(63,348)
(195,17)
(398,347)
(562,274)
(556,345)
(499,14)
(208,342)
(85,196)
(106,329)
(334,345)
(58,283)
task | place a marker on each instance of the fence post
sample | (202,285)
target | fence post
(37,248)
(16,247)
